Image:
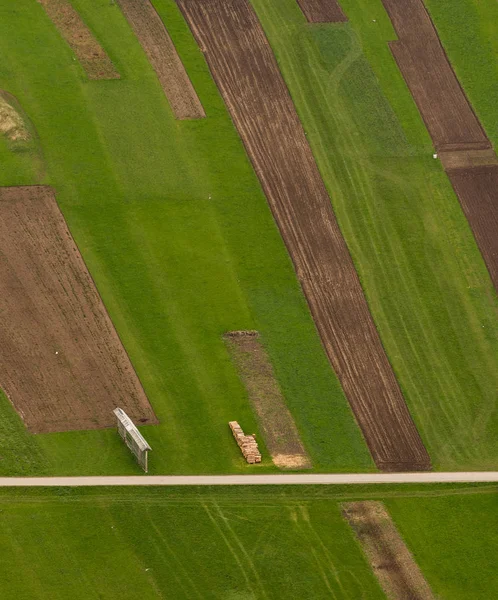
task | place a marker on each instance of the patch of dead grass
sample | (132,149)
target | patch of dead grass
(12,125)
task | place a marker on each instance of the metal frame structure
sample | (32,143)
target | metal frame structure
(133,438)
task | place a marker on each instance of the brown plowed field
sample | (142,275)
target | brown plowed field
(422,60)
(391,561)
(62,364)
(163,57)
(279,430)
(477,190)
(322,11)
(90,53)
(246,72)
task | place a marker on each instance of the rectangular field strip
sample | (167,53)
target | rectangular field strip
(450,120)
(163,57)
(477,190)
(279,429)
(322,11)
(62,364)
(424,65)
(246,72)
(89,52)
(391,561)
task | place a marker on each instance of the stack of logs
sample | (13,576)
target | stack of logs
(246,443)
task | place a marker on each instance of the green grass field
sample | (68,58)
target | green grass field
(468,30)
(424,278)
(176,231)
(235,543)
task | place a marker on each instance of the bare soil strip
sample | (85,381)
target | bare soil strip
(247,74)
(279,430)
(392,562)
(322,11)
(90,53)
(477,190)
(62,364)
(162,54)
(422,60)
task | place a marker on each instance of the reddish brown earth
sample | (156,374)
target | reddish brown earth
(391,561)
(62,364)
(322,11)
(90,53)
(422,60)
(246,72)
(465,151)
(163,57)
(276,422)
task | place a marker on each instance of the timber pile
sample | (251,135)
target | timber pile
(246,443)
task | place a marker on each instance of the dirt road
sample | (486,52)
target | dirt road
(285,479)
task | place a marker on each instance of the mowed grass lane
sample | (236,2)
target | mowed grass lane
(469,32)
(177,234)
(236,543)
(454,540)
(177,545)
(424,278)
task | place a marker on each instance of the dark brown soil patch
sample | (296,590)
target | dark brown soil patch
(162,54)
(422,60)
(89,52)
(276,422)
(477,190)
(391,561)
(322,11)
(247,74)
(62,364)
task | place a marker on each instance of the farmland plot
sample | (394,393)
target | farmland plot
(163,56)
(450,119)
(322,11)
(246,72)
(62,364)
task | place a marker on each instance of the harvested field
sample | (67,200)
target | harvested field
(278,427)
(392,562)
(322,11)
(89,52)
(62,364)
(422,60)
(477,190)
(246,72)
(162,54)
(466,159)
